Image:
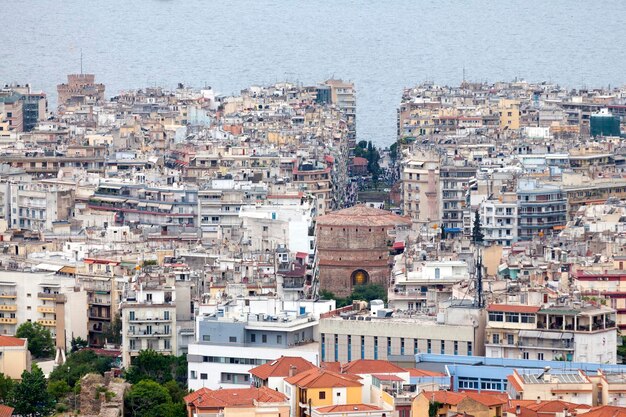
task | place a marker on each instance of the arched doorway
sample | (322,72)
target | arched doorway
(360,277)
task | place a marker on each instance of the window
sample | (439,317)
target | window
(388,346)
(149,297)
(443,347)
(349,348)
(166,315)
(525,355)
(232,339)
(496,316)
(540,356)
(203,376)
(336,348)
(512,317)
(131,315)
(323,347)
(428,346)
(253,338)
(362,347)
(496,338)
(322,395)
(206,337)
(469,348)
(264,338)
(402,346)
(279,339)
(193,375)
(456,347)
(167,345)
(375,347)
(510,339)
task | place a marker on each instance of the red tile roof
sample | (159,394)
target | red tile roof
(233,397)
(444,397)
(11,341)
(488,399)
(513,308)
(347,408)
(357,160)
(331,366)
(606,411)
(5,411)
(370,366)
(280,367)
(321,378)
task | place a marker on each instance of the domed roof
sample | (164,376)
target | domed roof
(362,215)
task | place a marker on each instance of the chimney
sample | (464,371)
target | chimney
(292,370)
(518,409)
(538,400)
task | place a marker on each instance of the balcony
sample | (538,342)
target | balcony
(4,320)
(7,307)
(152,334)
(59,298)
(151,319)
(8,294)
(99,317)
(45,309)
(47,322)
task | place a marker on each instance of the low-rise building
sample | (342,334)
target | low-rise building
(14,357)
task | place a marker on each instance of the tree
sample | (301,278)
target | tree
(113,334)
(158,367)
(6,386)
(40,342)
(368,293)
(30,397)
(477,232)
(78,343)
(79,364)
(146,399)
(58,389)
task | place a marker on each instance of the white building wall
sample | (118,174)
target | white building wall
(597,347)
(214,370)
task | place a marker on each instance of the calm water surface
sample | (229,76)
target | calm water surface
(382,46)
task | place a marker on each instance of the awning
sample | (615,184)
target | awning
(110,200)
(68,270)
(48,267)
(398,245)
(142,204)
(452,229)
(533,334)
(111,187)
(165,206)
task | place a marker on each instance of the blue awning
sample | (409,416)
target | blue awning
(452,229)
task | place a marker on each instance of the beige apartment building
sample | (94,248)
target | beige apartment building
(421,193)
(14,356)
(46,298)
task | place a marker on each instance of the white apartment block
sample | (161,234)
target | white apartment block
(499,220)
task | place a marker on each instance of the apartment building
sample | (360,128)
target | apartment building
(314,178)
(422,286)
(170,208)
(47,298)
(454,185)
(542,208)
(219,204)
(558,332)
(148,313)
(227,348)
(499,220)
(421,192)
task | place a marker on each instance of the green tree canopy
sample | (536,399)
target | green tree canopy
(6,386)
(477,231)
(150,399)
(40,343)
(113,334)
(158,367)
(30,396)
(366,292)
(78,343)
(79,364)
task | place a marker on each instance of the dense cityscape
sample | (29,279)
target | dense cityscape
(189,253)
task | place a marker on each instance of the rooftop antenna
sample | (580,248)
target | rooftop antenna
(81,61)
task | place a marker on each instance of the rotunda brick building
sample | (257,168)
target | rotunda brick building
(353,247)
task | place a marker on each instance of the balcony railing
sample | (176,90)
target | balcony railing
(6,320)
(8,307)
(47,322)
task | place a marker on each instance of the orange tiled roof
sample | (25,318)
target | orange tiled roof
(444,397)
(5,411)
(11,341)
(233,397)
(606,411)
(347,408)
(280,367)
(371,366)
(488,399)
(321,378)
(331,366)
